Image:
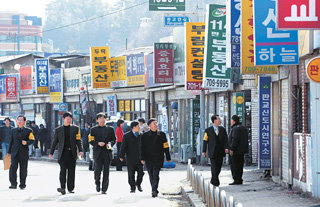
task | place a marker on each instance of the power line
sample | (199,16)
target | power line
(84,21)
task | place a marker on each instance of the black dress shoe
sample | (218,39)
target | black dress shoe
(104,192)
(70,191)
(22,187)
(154,194)
(139,188)
(236,183)
(12,187)
(62,191)
(132,191)
(98,188)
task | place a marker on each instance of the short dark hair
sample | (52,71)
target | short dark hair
(33,122)
(66,114)
(7,118)
(133,124)
(141,120)
(101,114)
(236,119)
(24,117)
(151,120)
(214,117)
(119,122)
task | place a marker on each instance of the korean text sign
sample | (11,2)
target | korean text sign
(135,69)
(272,47)
(26,80)
(313,69)
(3,87)
(100,67)
(56,85)
(235,20)
(195,32)
(112,105)
(118,69)
(216,74)
(265,122)
(11,89)
(163,62)
(42,71)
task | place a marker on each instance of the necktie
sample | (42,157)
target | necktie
(217,130)
(136,134)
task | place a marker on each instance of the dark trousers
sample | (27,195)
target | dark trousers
(67,170)
(131,173)
(119,163)
(102,163)
(153,172)
(216,164)
(43,147)
(23,165)
(237,161)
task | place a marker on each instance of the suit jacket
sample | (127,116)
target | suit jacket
(16,147)
(216,144)
(238,139)
(131,147)
(59,139)
(102,134)
(2,134)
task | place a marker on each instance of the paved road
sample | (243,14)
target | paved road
(42,182)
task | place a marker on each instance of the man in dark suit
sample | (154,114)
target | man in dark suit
(21,137)
(68,139)
(85,138)
(153,146)
(131,148)
(238,146)
(102,137)
(215,140)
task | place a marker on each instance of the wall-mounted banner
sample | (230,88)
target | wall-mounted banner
(26,80)
(179,64)
(272,47)
(298,14)
(163,62)
(112,105)
(11,89)
(216,75)
(135,70)
(195,32)
(247,49)
(118,70)
(149,81)
(3,87)
(265,122)
(167,5)
(56,85)
(175,21)
(237,106)
(100,67)
(313,69)
(42,71)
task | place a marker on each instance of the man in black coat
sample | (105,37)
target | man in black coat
(85,138)
(102,137)
(216,141)
(21,137)
(238,146)
(130,147)
(68,139)
(5,136)
(153,146)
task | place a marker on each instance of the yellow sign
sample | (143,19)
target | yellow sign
(100,67)
(118,70)
(127,105)
(121,105)
(195,32)
(313,69)
(240,100)
(55,97)
(247,49)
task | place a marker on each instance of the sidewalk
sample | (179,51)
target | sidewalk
(258,191)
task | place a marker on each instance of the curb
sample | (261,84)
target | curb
(188,193)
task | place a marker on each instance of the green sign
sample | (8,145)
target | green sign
(216,74)
(167,5)
(237,105)
(195,122)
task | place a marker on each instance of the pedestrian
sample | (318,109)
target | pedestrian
(5,136)
(68,140)
(35,131)
(216,141)
(153,146)
(131,148)
(102,137)
(85,138)
(143,126)
(238,146)
(119,135)
(43,139)
(21,137)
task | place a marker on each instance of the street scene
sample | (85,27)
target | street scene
(160,103)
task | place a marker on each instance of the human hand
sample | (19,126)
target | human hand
(101,144)
(121,159)
(142,162)
(9,155)
(81,154)
(203,154)
(231,153)
(24,142)
(50,156)
(168,161)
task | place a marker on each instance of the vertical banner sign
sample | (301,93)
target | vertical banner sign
(179,63)
(265,122)
(26,80)
(11,89)
(215,73)
(100,67)
(135,70)
(298,14)
(272,47)
(118,70)
(195,122)
(235,33)
(163,62)
(167,5)
(238,105)
(149,82)
(112,105)
(3,87)
(42,71)
(195,32)
(56,85)
(247,49)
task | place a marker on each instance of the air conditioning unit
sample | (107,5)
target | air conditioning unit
(186,153)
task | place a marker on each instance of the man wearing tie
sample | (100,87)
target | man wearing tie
(216,140)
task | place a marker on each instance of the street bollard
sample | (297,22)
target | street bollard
(38,153)
(223,199)
(231,201)
(191,176)
(199,184)
(217,196)
(207,192)
(203,191)
(196,182)
(212,195)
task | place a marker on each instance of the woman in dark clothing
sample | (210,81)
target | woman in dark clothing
(119,135)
